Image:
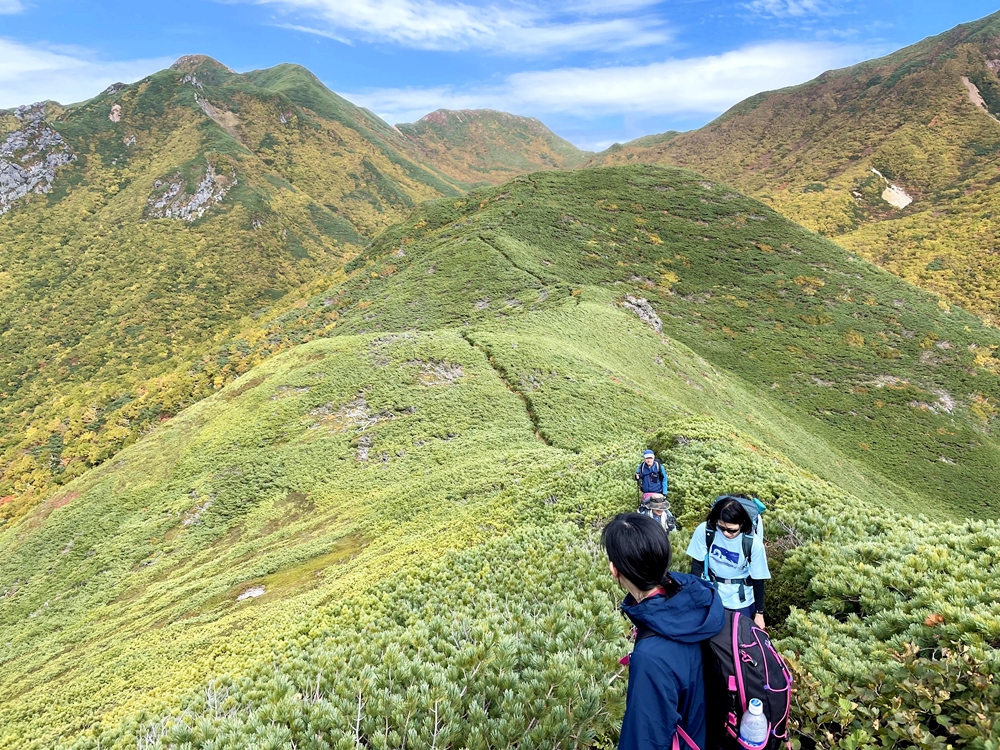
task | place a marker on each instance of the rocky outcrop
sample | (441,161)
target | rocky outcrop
(641,307)
(174,203)
(975,96)
(894,195)
(29,157)
(226,119)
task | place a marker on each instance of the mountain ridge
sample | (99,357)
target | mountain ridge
(214,583)
(148,224)
(824,153)
(490,146)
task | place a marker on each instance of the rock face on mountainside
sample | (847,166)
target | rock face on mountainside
(483,145)
(138,226)
(30,156)
(895,158)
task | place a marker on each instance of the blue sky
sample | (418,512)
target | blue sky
(595,71)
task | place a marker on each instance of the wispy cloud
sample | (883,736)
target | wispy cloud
(9,7)
(793,9)
(31,73)
(508,27)
(694,86)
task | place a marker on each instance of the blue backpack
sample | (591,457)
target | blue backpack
(656,470)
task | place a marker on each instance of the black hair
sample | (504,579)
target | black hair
(729,509)
(640,550)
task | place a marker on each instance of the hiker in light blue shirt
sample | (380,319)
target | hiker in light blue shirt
(737,560)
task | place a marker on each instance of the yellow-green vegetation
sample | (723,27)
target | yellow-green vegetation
(924,117)
(385,536)
(196,201)
(859,359)
(483,145)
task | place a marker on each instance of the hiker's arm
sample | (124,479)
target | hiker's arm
(698,568)
(758,599)
(651,707)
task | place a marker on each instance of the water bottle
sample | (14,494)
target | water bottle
(753,725)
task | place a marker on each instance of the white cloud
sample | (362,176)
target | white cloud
(509,27)
(9,7)
(606,7)
(792,8)
(694,86)
(33,73)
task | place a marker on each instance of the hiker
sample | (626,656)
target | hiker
(657,508)
(672,613)
(650,476)
(728,550)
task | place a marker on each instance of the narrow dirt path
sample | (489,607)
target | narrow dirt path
(509,385)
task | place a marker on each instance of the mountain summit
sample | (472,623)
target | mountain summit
(484,145)
(199,63)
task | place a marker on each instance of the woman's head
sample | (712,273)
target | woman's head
(731,513)
(638,549)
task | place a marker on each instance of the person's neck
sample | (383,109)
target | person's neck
(640,595)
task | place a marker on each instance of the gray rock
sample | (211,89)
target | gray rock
(30,157)
(175,203)
(641,307)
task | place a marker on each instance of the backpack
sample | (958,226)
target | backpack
(656,470)
(754,508)
(740,663)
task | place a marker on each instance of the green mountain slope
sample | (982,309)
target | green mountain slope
(925,118)
(483,145)
(151,225)
(387,532)
(868,363)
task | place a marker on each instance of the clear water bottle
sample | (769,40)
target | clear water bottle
(753,725)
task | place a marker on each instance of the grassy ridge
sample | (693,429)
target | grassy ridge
(429,471)
(808,151)
(279,481)
(864,362)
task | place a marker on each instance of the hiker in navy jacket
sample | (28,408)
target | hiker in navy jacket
(650,475)
(673,613)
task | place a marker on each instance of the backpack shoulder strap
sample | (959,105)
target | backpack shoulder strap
(747,546)
(709,537)
(642,633)
(682,740)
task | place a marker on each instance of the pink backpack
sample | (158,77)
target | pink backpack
(740,664)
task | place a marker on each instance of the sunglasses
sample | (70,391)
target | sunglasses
(729,529)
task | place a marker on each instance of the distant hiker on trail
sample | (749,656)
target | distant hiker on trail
(650,476)
(658,509)
(672,613)
(728,549)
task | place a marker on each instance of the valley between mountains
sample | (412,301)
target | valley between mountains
(310,423)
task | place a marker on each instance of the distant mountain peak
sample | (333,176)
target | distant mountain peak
(487,145)
(199,63)
(441,116)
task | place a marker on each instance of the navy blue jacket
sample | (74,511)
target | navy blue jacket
(652,478)
(665,682)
